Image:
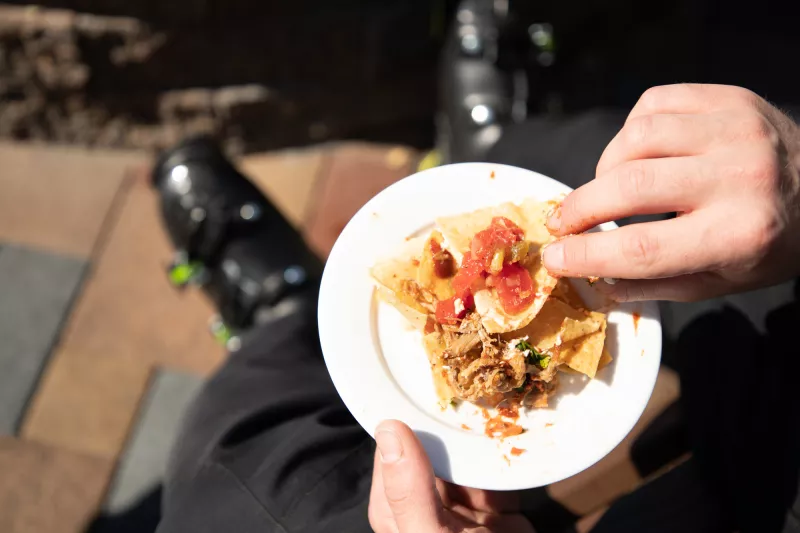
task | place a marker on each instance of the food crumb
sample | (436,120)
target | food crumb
(464,426)
(498,428)
(636,317)
(548,425)
(375,214)
(415,262)
(516,452)
(492,175)
(507,459)
(642,352)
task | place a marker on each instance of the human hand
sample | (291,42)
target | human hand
(722,158)
(406,498)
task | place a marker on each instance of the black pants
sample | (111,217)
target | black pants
(269,446)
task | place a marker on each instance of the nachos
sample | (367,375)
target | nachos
(495,324)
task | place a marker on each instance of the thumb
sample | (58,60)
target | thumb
(408,480)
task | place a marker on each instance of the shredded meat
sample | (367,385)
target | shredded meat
(424,297)
(538,394)
(479,366)
(462,345)
(486,376)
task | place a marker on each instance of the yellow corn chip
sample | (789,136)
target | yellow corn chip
(534,216)
(544,331)
(574,329)
(434,347)
(565,292)
(417,318)
(426,274)
(605,360)
(459,229)
(584,354)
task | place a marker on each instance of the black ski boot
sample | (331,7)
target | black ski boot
(230,240)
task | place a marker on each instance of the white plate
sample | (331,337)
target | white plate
(380,369)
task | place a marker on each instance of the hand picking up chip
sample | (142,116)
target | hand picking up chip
(495,324)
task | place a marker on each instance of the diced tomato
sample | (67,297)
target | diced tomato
(465,279)
(446,311)
(500,234)
(513,284)
(514,287)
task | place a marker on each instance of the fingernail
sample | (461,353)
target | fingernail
(389,445)
(553,256)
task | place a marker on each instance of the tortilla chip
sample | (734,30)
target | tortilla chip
(434,347)
(534,217)
(544,331)
(605,360)
(459,230)
(426,275)
(565,292)
(574,329)
(417,318)
(391,275)
(585,353)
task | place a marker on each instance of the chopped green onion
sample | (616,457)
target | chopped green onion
(524,346)
(534,357)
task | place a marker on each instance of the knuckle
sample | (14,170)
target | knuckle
(760,234)
(654,97)
(745,97)
(764,170)
(640,248)
(634,180)
(756,127)
(638,130)
(398,500)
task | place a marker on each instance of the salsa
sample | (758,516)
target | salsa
(444,265)
(492,261)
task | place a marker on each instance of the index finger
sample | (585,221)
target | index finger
(692,98)
(649,250)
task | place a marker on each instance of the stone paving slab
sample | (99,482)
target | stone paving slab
(48,490)
(143,464)
(57,198)
(287,177)
(355,173)
(129,309)
(36,292)
(87,402)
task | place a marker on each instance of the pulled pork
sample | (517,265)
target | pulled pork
(478,366)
